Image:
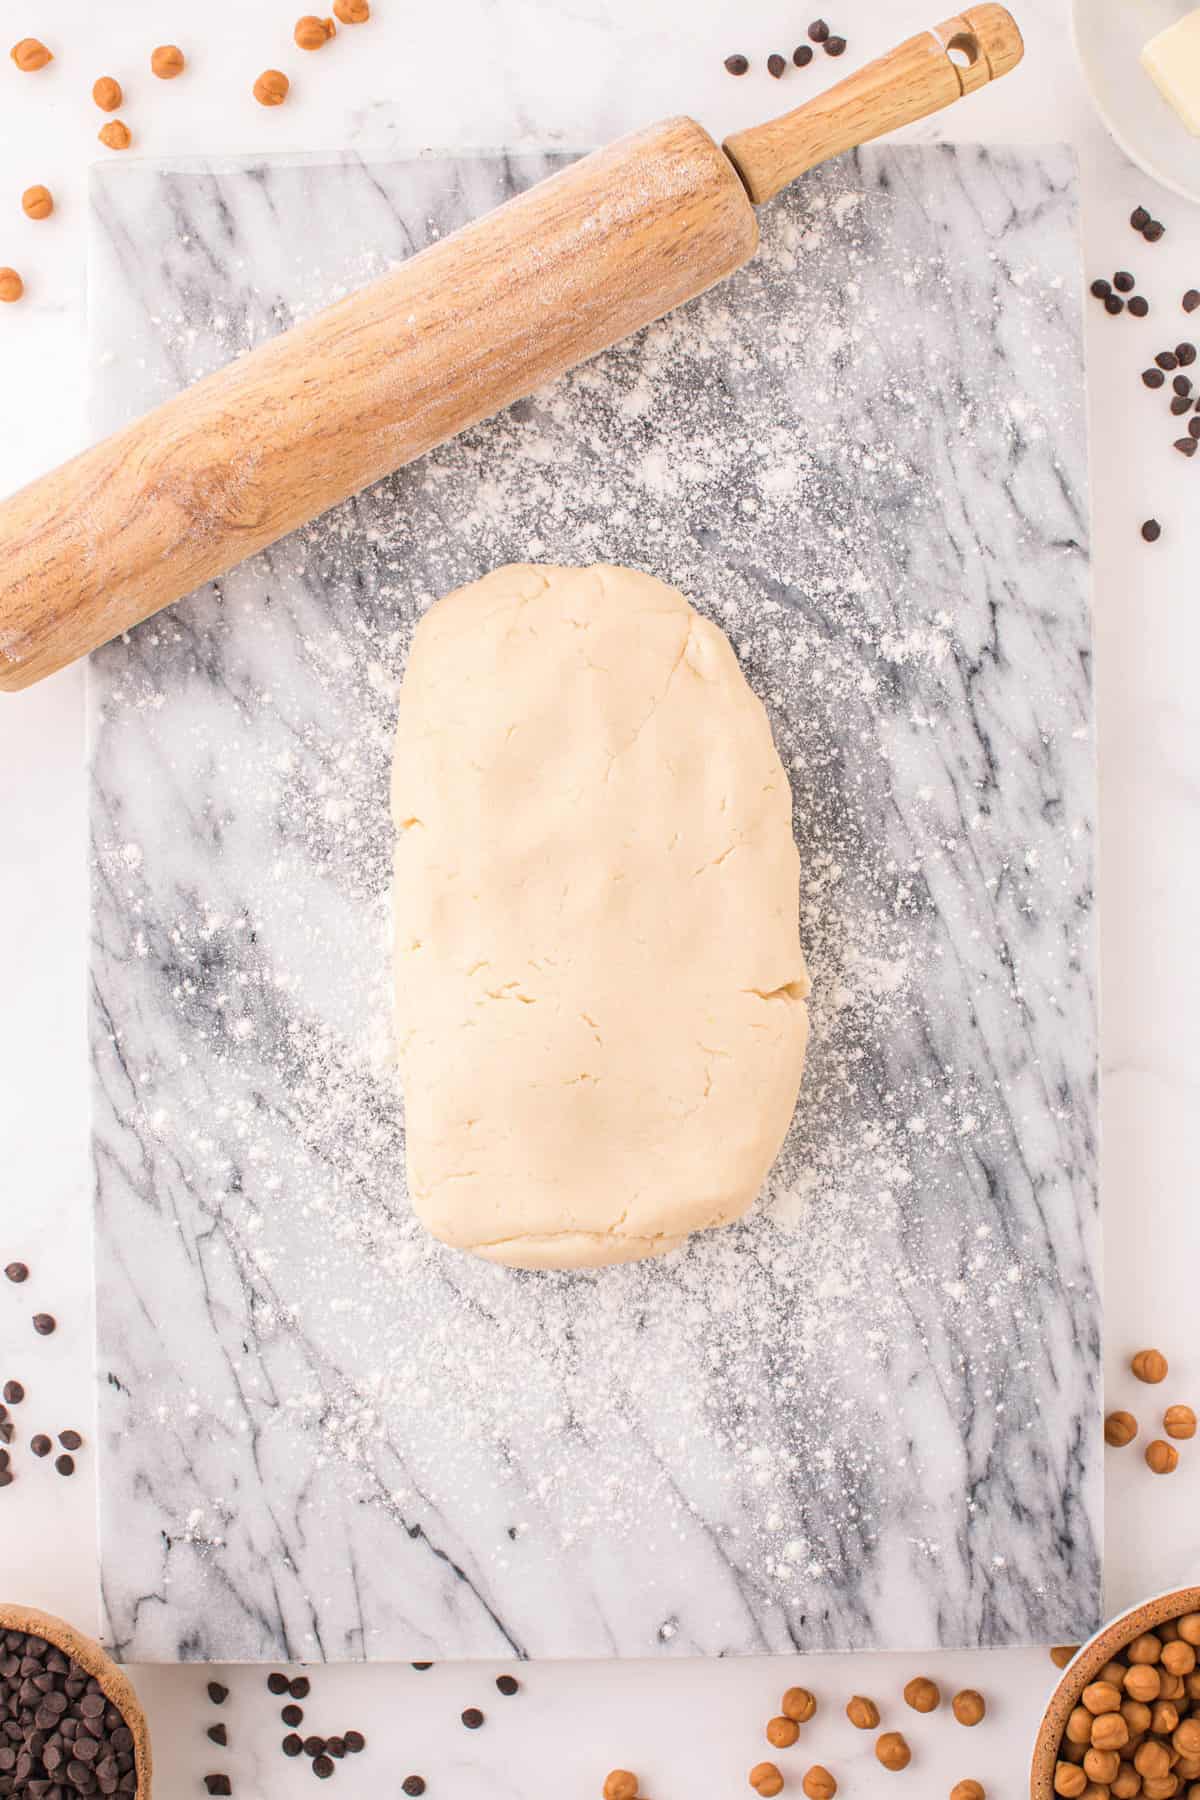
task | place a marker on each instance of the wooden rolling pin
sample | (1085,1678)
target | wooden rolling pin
(454,335)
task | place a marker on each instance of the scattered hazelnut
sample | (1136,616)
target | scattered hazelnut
(1101,1697)
(352,12)
(1143,1682)
(862,1712)
(107,93)
(1162,1457)
(782,1733)
(1145,1649)
(1101,1766)
(1078,1729)
(1179,1422)
(1110,1732)
(1152,1758)
(798,1704)
(819,1784)
(970,1706)
(1149,1365)
(31,54)
(1069,1780)
(1189,1627)
(1179,1658)
(271,88)
(167,62)
(766,1780)
(967,1790)
(1061,1654)
(1120,1428)
(312,33)
(38,202)
(11,285)
(116,135)
(619,1784)
(892,1750)
(923,1695)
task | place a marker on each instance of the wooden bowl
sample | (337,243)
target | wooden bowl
(1086,1665)
(88,1654)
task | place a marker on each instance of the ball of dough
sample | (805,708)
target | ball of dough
(600,991)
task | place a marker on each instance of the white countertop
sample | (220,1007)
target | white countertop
(516,73)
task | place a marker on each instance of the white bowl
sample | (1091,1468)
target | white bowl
(1109,35)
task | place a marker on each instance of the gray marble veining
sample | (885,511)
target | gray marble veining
(868,1416)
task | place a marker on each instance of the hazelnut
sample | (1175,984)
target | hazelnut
(38,202)
(1061,1654)
(766,1780)
(1145,1649)
(1110,1732)
(1069,1781)
(1162,1457)
(1188,1769)
(167,62)
(1073,1753)
(619,1784)
(923,1695)
(271,88)
(1128,1783)
(819,1784)
(1188,1627)
(798,1704)
(1192,1685)
(1120,1428)
(1078,1728)
(107,93)
(1162,1788)
(970,1706)
(1149,1365)
(1186,1737)
(967,1790)
(1101,1697)
(312,33)
(1171,1687)
(1101,1766)
(862,1712)
(892,1750)
(1143,1683)
(782,1732)
(352,12)
(1178,1658)
(1112,1671)
(11,285)
(30,54)
(1136,1716)
(116,135)
(1168,1631)
(1152,1758)
(1164,1717)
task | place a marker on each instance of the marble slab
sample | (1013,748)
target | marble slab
(867,1416)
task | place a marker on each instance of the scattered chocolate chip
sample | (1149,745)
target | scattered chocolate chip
(1153,378)
(5,1459)
(1182,385)
(1154,231)
(14,1393)
(1180,404)
(335,1746)
(1167,359)
(1139,306)
(413,1785)
(355,1741)
(802,55)
(508,1684)
(19,1271)
(1191,300)
(7,1431)
(1151,531)
(299,1688)
(277,1683)
(6,1478)
(472,1718)
(65,1464)
(1186,354)
(218,1784)
(776,64)
(217,1694)
(1186,446)
(292,1715)
(1123,282)
(835,46)
(44,1323)
(291,1745)
(1101,288)
(217,1734)
(818,31)
(1114,304)
(1194,427)
(322,1767)
(40,1444)
(422,1666)
(737,65)
(70,1440)
(1139,218)
(314,1746)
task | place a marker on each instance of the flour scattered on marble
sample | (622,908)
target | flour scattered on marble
(625,460)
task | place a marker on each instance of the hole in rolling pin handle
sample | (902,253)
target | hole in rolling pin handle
(963,50)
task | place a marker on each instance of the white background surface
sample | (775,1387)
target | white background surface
(483,73)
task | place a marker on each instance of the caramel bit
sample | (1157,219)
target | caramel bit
(862,1712)
(1101,1697)
(1110,1731)
(1061,1654)
(167,62)
(967,1790)
(893,1751)
(923,1695)
(1120,1428)
(11,285)
(819,1784)
(782,1733)
(1149,1365)
(1179,1422)
(766,1780)
(352,12)
(619,1784)
(970,1706)
(116,134)
(37,202)
(312,33)
(271,88)
(1162,1457)
(1069,1780)
(1143,1683)
(107,93)
(31,54)
(798,1704)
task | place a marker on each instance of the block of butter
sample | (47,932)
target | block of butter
(1172,60)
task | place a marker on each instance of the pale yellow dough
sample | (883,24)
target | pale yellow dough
(600,991)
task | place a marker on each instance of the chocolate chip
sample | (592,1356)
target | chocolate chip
(422,1666)
(355,1741)
(277,1683)
(1153,378)
(1194,427)
(314,1746)
(508,1684)
(1179,405)
(322,1767)
(7,1431)
(1123,282)
(44,1324)
(70,1440)
(1191,300)
(776,64)
(65,1464)
(737,65)
(292,1715)
(40,1444)
(818,31)
(6,1478)
(472,1718)
(299,1688)
(1101,288)
(1114,304)
(1154,231)
(835,46)
(336,1746)
(217,1694)
(218,1784)
(217,1734)
(19,1271)
(802,55)
(1167,359)
(1139,306)
(291,1745)
(1182,385)
(5,1459)
(1186,354)
(14,1393)
(413,1785)
(1186,446)
(1139,218)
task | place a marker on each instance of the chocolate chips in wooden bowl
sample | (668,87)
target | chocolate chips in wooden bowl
(70,1722)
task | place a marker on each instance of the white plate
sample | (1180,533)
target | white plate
(1109,35)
